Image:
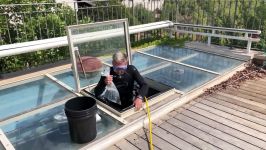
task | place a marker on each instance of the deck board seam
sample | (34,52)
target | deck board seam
(215,129)
(237,101)
(233,120)
(222,130)
(227,126)
(247,101)
(220,109)
(181,138)
(230,126)
(131,143)
(117,147)
(248,93)
(250,89)
(247,97)
(176,137)
(138,137)
(244,93)
(241,107)
(158,136)
(193,135)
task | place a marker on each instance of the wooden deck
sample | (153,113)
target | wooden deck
(232,119)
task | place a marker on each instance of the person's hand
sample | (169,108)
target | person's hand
(138,103)
(108,80)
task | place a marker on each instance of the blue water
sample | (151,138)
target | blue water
(42,131)
(27,96)
(196,58)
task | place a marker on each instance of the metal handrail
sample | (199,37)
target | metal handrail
(26,47)
(218,28)
(211,31)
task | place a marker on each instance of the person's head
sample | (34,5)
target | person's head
(119,62)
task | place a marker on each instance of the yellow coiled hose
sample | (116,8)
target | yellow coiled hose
(150,123)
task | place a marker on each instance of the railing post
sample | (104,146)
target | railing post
(209,38)
(249,46)
(76,11)
(133,22)
(171,32)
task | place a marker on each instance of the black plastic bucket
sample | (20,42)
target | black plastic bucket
(80,112)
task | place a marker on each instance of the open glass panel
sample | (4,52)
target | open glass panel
(91,45)
(2,146)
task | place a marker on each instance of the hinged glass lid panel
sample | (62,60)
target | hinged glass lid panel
(92,46)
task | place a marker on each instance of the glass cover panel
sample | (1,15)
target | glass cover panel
(49,130)
(93,45)
(180,77)
(67,77)
(26,95)
(195,58)
(2,146)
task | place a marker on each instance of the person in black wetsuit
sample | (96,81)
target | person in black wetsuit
(124,77)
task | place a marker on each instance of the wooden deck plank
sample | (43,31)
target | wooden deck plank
(202,135)
(253,89)
(139,142)
(113,148)
(241,94)
(259,80)
(230,123)
(255,84)
(171,138)
(263,106)
(125,145)
(236,107)
(253,94)
(174,139)
(232,118)
(158,141)
(235,113)
(217,133)
(222,96)
(165,135)
(249,93)
(263,79)
(227,128)
(187,137)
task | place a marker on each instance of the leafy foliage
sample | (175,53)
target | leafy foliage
(21,23)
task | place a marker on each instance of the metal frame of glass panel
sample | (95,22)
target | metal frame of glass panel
(5,143)
(71,42)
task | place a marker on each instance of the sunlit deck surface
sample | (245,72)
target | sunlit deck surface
(229,119)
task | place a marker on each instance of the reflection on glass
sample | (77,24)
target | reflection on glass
(195,58)
(67,77)
(174,75)
(94,44)
(26,96)
(49,130)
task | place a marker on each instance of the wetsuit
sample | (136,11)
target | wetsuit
(125,85)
